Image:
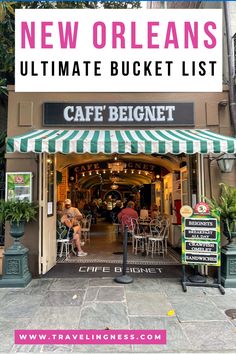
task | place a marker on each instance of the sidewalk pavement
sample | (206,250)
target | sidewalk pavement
(198,323)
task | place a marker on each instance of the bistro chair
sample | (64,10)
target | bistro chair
(63,239)
(115,223)
(139,239)
(85,224)
(155,244)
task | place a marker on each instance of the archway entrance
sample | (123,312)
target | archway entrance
(142,178)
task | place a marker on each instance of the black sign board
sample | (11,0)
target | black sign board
(200,234)
(201,246)
(200,223)
(201,240)
(201,258)
(102,114)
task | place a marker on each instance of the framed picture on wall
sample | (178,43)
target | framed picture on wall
(19,186)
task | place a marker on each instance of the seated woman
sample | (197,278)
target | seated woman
(70,218)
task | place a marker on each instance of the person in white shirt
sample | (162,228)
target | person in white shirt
(70,218)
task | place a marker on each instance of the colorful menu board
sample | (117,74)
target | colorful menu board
(19,186)
(201,240)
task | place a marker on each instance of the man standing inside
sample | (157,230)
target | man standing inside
(70,218)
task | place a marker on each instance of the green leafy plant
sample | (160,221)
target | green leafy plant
(226,205)
(17,211)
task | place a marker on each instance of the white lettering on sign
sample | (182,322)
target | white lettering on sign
(77,114)
(117,269)
(119,113)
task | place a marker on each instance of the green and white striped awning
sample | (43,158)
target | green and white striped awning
(122,141)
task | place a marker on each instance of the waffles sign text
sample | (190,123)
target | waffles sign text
(118,50)
(114,114)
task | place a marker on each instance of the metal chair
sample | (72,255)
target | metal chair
(115,223)
(62,239)
(85,224)
(139,240)
(155,243)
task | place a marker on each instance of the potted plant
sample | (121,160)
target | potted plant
(17,212)
(226,205)
(15,266)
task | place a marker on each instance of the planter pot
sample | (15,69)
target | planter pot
(15,267)
(228,265)
(17,230)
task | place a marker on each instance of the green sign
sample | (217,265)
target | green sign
(201,240)
(19,186)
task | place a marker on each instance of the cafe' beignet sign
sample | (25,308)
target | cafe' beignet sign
(120,114)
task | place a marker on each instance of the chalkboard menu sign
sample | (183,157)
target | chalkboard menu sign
(201,240)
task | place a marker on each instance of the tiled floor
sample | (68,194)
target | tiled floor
(104,243)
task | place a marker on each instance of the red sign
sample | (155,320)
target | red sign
(19,180)
(202,208)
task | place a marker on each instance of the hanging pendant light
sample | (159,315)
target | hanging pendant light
(114,186)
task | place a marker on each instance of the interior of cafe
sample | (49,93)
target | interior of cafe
(100,186)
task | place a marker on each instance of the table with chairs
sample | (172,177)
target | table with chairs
(150,236)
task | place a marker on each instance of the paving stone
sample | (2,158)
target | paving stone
(5,347)
(57,348)
(103,282)
(3,292)
(224,302)
(64,298)
(7,332)
(195,308)
(109,293)
(145,303)
(66,317)
(101,315)
(102,348)
(91,293)
(230,291)
(151,285)
(69,284)
(26,348)
(171,286)
(175,335)
(216,336)
(174,287)
(20,305)
(37,286)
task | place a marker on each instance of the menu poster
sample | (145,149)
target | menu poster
(19,186)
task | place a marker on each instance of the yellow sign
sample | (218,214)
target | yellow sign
(186,211)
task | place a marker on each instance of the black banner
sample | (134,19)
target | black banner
(201,223)
(201,258)
(201,246)
(200,234)
(151,114)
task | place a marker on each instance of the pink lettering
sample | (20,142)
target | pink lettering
(99,25)
(45,35)
(118,30)
(29,33)
(210,44)
(152,34)
(133,36)
(171,36)
(193,34)
(67,38)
